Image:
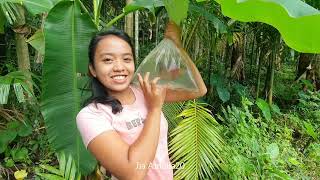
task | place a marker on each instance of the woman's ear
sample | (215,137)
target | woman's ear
(92,71)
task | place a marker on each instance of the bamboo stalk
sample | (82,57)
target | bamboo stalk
(259,72)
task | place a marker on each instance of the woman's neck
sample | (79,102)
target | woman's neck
(125,97)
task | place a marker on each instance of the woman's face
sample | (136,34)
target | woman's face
(113,63)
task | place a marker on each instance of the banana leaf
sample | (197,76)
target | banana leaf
(2,21)
(67,35)
(296,21)
(37,7)
(37,41)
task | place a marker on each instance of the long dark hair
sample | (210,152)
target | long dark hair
(99,92)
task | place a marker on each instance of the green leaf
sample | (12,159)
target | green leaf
(68,32)
(223,93)
(264,107)
(19,154)
(9,163)
(217,23)
(141,4)
(275,108)
(25,130)
(50,176)
(37,41)
(19,92)
(51,169)
(13,125)
(310,130)
(196,143)
(6,137)
(216,80)
(285,15)
(4,93)
(171,111)
(37,7)
(2,21)
(273,151)
(177,9)
(294,161)
(96,10)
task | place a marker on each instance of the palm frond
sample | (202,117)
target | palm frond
(67,169)
(196,143)
(171,111)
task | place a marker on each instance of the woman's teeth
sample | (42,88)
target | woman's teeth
(119,77)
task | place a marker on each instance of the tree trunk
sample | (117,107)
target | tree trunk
(316,67)
(303,65)
(21,44)
(128,26)
(272,64)
(237,64)
(259,72)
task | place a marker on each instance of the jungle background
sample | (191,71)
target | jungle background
(259,120)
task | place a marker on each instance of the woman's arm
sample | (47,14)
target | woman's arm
(122,160)
(173,33)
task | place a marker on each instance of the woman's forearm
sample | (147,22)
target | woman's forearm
(143,150)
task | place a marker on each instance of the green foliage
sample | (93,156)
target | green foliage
(263,149)
(67,169)
(214,19)
(13,130)
(285,16)
(171,112)
(177,9)
(67,31)
(36,7)
(141,4)
(196,143)
(218,82)
(19,81)
(37,41)
(264,107)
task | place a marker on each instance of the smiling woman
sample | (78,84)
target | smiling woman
(123,125)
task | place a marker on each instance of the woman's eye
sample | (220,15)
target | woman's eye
(127,59)
(107,60)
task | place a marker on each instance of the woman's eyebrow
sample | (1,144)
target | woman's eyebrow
(113,54)
(124,54)
(105,53)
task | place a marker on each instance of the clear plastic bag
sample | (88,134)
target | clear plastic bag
(169,61)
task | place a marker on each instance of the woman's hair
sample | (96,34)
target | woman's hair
(99,92)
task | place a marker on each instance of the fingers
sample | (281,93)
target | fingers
(141,82)
(146,86)
(154,84)
(146,82)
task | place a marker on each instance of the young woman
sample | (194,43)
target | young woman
(122,125)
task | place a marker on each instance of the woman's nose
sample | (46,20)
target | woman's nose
(118,66)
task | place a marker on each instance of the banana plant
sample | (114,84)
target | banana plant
(293,18)
(67,35)
(9,12)
(96,11)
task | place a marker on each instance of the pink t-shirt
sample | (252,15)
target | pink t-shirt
(92,121)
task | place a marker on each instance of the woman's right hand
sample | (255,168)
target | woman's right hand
(153,93)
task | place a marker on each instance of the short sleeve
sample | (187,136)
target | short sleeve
(91,122)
